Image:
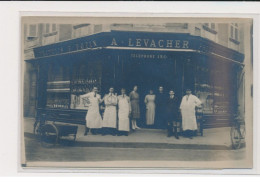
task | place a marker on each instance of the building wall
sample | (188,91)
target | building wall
(223,34)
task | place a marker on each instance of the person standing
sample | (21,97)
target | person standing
(110,117)
(172,109)
(93,117)
(134,100)
(188,104)
(150,108)
(160,114)
(124,110)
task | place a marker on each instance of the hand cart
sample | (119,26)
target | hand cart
(50,133)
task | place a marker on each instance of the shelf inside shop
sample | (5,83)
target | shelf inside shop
(60,90)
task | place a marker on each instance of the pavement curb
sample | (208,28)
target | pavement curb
(142,145)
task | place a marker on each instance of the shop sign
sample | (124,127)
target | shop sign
(66,48)
(148,56)
(116,39)
(153,43)
(136,40)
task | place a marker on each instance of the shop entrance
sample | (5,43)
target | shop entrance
(149,74)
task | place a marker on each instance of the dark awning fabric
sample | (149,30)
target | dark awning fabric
(133,40)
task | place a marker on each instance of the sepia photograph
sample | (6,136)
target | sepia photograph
(136,92)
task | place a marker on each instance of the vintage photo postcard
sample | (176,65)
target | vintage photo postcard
(137,92)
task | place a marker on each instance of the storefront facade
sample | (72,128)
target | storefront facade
(68,69)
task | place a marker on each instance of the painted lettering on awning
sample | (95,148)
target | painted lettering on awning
(151,43)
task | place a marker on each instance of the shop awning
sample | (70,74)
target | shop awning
(132,40)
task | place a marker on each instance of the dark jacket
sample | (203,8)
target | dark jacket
(161,101)
(172,109)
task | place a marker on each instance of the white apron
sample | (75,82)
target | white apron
(93,117)
(109,120)
(188,112)
(123,113)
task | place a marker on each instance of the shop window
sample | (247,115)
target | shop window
(203,88)
(32,91)
(213,88)
(84,77)
(58,86)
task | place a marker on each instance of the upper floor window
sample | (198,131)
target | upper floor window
(82,30)
(210,27)
(49,28)
(234,31)
(234,42)
(32,31)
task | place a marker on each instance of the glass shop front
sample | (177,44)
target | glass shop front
(174,61)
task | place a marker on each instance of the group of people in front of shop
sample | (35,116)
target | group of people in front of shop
(162,111)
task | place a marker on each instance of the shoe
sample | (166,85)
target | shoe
(177,137)
(190,137)
(86,133)
(137,127)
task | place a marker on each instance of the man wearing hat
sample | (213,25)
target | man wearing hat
(188,104)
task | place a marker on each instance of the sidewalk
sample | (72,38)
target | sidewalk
(214,138)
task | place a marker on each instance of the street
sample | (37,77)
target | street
(35,152)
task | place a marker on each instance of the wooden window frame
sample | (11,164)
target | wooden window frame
(208,27)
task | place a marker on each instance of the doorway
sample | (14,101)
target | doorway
(149,74)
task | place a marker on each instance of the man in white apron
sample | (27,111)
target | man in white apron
(93,117)
(124,110)
(188,104)
(110,117)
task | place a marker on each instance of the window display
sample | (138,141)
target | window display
(64,89)
(58,86)
(85,76)
(211,87)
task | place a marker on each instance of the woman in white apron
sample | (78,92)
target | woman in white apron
(124,110)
